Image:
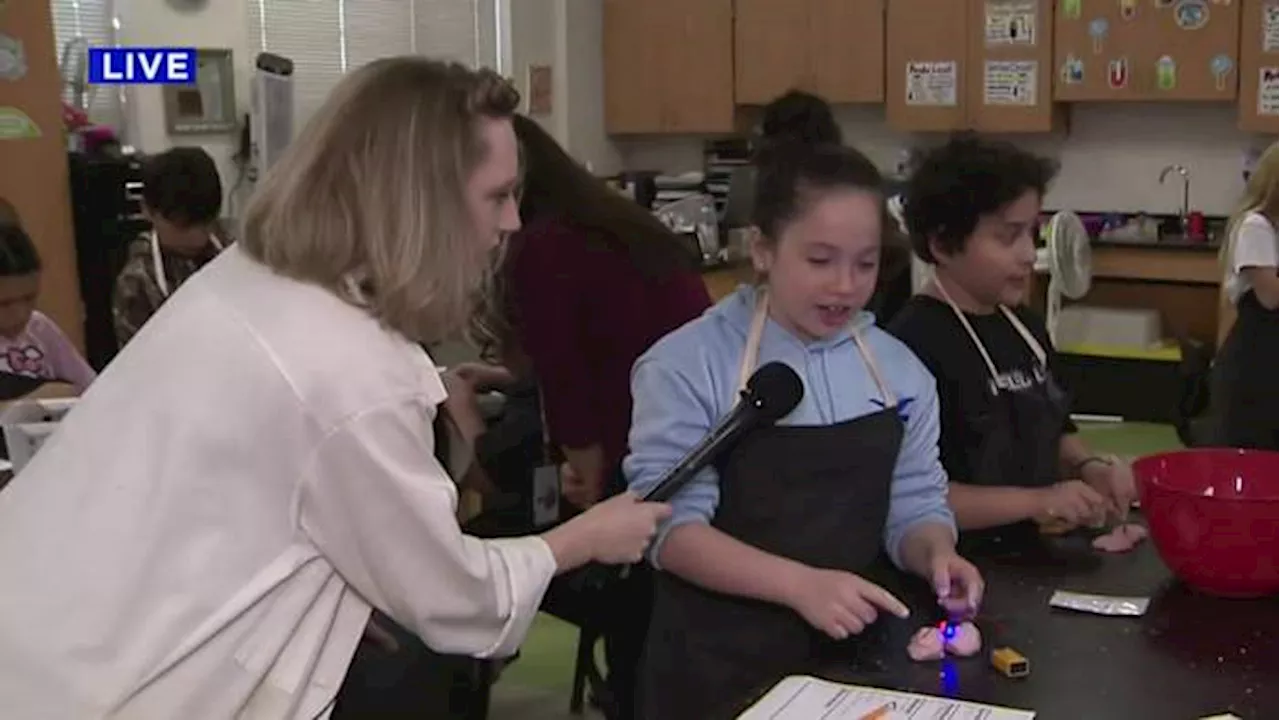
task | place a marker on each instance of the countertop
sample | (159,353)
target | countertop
(1189,656)
(1178,245)
(723,265)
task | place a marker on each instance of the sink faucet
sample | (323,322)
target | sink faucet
(1185,209)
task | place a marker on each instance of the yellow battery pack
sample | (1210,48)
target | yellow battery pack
(1010,662)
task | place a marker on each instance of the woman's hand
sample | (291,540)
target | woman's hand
(614,532)
(1114,481)
(483,377)
(840,603)
(958,584)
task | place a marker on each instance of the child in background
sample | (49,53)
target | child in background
(182,198)
(31,344)
(1011,451)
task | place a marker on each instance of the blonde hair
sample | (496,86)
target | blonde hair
(489,328)
(369,200)
(1259,197)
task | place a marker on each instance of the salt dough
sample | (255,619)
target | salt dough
(929,643)
(926,644)
(967,640)
(1122,538)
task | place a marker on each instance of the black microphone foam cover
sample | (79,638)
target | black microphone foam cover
(775,390)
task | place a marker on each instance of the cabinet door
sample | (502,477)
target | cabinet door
(1258,67)
(697,70)
(771,53)
(632,66)
(1139,50)
(925,64)
(846,49)
(1010,71)
(668,66)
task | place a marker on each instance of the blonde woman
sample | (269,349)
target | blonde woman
(205,535)
(1244,375)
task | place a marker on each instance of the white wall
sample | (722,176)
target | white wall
(1110,154)
(156,23)
(535,37)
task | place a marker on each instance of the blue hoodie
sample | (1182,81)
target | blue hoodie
(688,380)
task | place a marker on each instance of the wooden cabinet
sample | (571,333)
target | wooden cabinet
(925,53)
(1146,50)
(969,64)
(1010,68)
(834,48)
(1258,67)
(668,66)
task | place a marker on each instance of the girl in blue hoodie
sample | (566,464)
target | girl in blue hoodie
(761,557)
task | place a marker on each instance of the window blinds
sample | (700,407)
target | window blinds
(326,38)
(93,21)
(308,32)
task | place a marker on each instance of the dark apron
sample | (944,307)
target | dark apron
(816,494)
(1020,429)
(1244,389)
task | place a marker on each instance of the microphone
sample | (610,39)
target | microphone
(772,392)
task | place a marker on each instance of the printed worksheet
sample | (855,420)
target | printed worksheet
(808,698)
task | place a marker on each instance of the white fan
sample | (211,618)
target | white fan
(1068,259)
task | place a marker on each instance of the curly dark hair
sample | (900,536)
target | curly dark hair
(957,184)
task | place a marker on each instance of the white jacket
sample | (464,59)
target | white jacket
(204,535)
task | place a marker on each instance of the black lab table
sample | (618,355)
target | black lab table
(1190,656)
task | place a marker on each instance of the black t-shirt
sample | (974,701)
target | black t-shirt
(931,329)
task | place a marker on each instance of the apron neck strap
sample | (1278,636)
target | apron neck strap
(157,260)
(751,353)
(1036,348)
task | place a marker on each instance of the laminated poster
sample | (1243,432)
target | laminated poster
(1270,27)
(1269,91)
(1009,82)
(1011,22)
(931,84)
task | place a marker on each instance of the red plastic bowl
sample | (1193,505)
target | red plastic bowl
(1213,517)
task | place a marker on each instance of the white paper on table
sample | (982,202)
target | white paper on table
(801,697)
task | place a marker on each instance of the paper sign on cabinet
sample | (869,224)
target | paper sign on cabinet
(931,83)
(1268,91)
(1011,22)
(1009,82)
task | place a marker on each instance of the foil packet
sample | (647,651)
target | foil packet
(1100,604)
